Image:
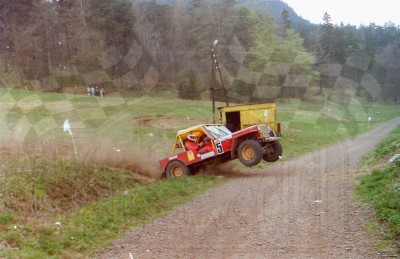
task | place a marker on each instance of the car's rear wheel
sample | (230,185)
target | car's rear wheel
(273,151)
(177,169)
(250,152)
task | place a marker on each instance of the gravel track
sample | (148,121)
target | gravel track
(301,208)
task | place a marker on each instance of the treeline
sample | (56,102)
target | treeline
(149,46)
(367,57)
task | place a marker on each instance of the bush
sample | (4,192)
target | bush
(189,85)
(164,86)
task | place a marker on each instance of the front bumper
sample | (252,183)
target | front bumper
(268,135)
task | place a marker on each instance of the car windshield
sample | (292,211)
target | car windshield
(218,131)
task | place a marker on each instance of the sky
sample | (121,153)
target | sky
(354,12)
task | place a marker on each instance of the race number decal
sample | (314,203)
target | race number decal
(219,147)
(190,155)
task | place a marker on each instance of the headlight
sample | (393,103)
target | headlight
(264,130)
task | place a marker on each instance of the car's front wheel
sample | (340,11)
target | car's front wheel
(250,152)
(273,151)
(177,169)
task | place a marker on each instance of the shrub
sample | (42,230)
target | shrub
(189,85)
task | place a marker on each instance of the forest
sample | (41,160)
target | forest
(265,50)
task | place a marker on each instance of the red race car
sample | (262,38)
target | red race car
(197,146)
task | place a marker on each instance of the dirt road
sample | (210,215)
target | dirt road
(296,209)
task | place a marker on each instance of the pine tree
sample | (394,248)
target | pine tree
(286,23)
(326,36)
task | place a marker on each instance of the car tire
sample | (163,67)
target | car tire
(250,152)
(275,149)
(177,169)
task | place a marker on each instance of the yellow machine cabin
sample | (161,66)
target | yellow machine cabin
(241,116)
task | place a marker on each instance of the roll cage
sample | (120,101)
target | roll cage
(213,132)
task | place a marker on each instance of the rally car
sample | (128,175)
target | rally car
(216,143)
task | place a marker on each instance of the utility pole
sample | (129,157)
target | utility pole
(215,67)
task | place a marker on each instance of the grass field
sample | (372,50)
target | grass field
(314,123)
(99,197)
(380,188)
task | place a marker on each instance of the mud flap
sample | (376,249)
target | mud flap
(234,149)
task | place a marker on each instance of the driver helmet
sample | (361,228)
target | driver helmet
(191,137)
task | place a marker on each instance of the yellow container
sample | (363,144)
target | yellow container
(241,116)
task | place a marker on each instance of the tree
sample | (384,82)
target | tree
(39,37)
(271,49)
(72,22)
(115,21)
(2,29)
(242,28)
(17,13)
(205,22)
(325,51)
(189,85)
(31,40)
(286,23)
(156,34)
(326,37)
(198,25)
(344,42)
(338,46)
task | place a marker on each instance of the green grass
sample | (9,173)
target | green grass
(381,188)
(306,124)
(75,208)
(387,148)
(316,123)
(96,203)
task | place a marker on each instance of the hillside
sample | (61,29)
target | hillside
(274,9)
(154,45)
